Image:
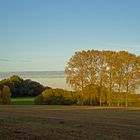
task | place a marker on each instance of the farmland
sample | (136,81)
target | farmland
(34,122)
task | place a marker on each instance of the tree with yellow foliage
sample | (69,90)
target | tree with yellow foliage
(76,71)
(5,95)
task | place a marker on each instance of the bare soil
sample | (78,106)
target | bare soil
(34,122)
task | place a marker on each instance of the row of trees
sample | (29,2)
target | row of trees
(90,96)
(117,72)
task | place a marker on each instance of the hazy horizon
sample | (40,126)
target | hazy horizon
(54,79)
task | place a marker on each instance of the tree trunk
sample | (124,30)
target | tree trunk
(100,101)
(126,100)
(109,97)
(118,100)
(126,95)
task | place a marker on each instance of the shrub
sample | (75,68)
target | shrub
(55,97)
(38,99)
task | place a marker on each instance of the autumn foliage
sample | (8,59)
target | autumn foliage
(55,97)
(5,95)
(104,77)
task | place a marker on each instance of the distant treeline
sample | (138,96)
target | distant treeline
(22,88)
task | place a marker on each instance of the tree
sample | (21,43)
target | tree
(76,71)
(119,76)
(92,66)
(136,72)
(129,79)
(0,96)
(110,74)
(101,72)
(5,95)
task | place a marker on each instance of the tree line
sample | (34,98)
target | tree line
(22,88)
(104,76)
(97,78)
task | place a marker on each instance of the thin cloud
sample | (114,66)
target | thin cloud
(15,60)
(5,60)
(25,60)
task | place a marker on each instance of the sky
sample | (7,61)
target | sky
(42,35)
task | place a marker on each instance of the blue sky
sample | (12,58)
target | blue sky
(44,34)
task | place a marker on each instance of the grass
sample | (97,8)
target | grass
(22,101)
(34,122)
